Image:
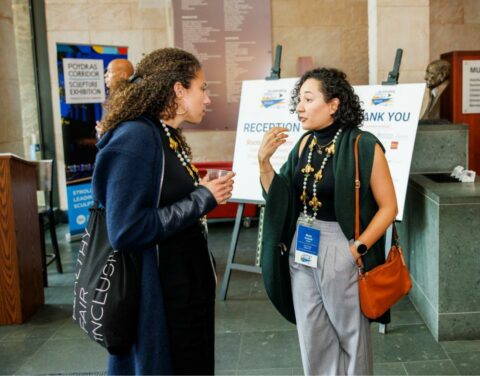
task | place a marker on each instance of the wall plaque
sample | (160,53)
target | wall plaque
(471,87)
(233,41)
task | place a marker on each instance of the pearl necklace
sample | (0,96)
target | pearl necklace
(308,170)
(182,155)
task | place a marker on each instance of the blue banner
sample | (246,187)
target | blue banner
(78,128)
(80,199)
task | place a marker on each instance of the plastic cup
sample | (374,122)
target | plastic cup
(215,173)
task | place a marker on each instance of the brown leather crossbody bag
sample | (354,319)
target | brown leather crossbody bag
(384,285)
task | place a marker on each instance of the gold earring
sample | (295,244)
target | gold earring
(181,113)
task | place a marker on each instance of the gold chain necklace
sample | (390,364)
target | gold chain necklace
(323,148)
(308,170)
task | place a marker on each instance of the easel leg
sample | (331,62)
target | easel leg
(258,256)
(231,252)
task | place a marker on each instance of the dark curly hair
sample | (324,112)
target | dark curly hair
(333,84)
(150,91)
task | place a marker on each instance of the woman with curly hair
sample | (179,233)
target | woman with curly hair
(155,203)
(310,256)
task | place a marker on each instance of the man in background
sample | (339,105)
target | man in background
(117,70)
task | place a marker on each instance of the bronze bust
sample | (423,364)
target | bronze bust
(437,78)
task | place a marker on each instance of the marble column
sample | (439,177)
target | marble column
(399,24)
(18,103)
(26,73)
(11,135)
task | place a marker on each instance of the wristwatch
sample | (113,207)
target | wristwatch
(361,248)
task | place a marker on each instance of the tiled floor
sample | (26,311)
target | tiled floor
(251,337)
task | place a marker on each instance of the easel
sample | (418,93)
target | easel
(274,75)
(233,248)
(392,79)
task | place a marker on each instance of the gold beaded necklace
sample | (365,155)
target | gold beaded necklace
(182,155)
(308,170)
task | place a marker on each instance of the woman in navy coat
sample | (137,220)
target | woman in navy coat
(155,204)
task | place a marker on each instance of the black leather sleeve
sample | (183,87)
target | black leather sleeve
(175,217)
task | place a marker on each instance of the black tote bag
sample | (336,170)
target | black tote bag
(106,288)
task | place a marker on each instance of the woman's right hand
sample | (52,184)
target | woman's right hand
(271,141)
(221,188)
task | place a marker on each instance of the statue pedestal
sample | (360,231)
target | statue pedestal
(440,236)
(439,148)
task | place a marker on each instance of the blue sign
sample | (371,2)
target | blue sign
(80,199)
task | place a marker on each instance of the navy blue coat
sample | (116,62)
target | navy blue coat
(127,181)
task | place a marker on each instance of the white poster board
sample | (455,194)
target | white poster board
(263,105)
(84,81)
(391,112)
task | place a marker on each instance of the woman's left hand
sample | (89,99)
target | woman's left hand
(353,251)
(221,188)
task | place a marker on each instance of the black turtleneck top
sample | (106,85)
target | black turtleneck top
(325,187)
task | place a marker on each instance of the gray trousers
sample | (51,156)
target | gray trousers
(333,333)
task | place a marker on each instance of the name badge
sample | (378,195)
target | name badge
(307,245)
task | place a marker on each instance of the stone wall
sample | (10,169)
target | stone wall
(333,32)
(454,25)
(403,24)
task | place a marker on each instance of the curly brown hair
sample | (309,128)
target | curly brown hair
(333,84)
(150,90)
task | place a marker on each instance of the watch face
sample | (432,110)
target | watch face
(362,248)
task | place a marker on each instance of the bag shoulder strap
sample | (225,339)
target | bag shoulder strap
(357,198)
(357,188)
